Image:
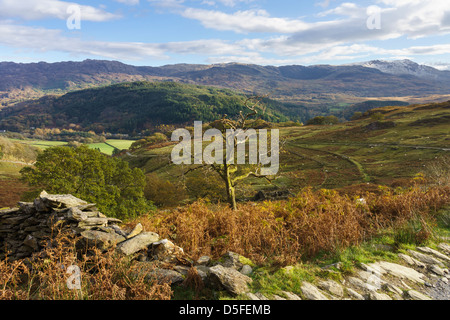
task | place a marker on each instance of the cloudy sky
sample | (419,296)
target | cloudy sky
(267,32)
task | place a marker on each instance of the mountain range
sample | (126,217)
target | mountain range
(306,85)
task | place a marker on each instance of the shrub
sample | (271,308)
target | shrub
(163,193)
(92,176)
(303,226)
(104,276)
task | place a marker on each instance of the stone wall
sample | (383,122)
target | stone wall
(26,228)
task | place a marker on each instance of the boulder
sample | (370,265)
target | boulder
(166,251)
(435,253)
(415,295)
(378,296)
(400,271)
(137,230)
(332,287)
(230,279)
(140,242)
(424,257)
(102,240)
(59,201)
(311,292)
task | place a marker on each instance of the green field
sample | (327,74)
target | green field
(104,147)
(109,146)
(42,144)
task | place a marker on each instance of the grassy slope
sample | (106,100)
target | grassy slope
(345,154)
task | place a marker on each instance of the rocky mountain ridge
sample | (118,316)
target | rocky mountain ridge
(19,81)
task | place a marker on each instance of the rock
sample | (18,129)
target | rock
(311,292)
(31,242)
(203,272)
(166,276)
(354,294)
(444,247)
(332,287)
(371,278)
(424,258)
(60,201)
(290,295)
(166,251)
(140,242)
(204,260)
(252,296)
(277,297)
(437,254)
(76,214)
(184,270)
(137,230)
(231,260)
(400,271)
(378,296)
(405,285)
(261,296)
(371,269)
(361,284)
(392,288)
(102,240)
(117,230)
(434,268)
(337,265)
(246,270)
(406,258)
(415,295)
(229,278)
(90,223)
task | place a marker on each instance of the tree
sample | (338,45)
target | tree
(377,116)
(321,120)
(92,176)
(357,115)
(231,172)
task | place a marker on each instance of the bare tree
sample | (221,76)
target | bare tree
(233,133)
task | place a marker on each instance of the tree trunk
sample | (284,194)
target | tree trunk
(231,193)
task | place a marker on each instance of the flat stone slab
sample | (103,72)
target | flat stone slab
(424,257)
(332,287)
(103,240)
(415,295)
(61,201)
(229,278)
(400,271)
(140,242)
(311,292)
(435,253)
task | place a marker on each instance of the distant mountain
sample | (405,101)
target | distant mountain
(131,108)
(402,67)
(307,85)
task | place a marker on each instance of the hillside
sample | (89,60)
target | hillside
(130,107)
(307,85)
(355,156)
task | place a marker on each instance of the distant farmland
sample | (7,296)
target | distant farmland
(104,147)
(108,146)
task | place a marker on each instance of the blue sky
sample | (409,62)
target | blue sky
(266,32)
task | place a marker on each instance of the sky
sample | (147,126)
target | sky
(265,32)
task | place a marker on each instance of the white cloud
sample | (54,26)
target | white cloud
(42,9)
(45,40)
(244,21)
(128,2)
